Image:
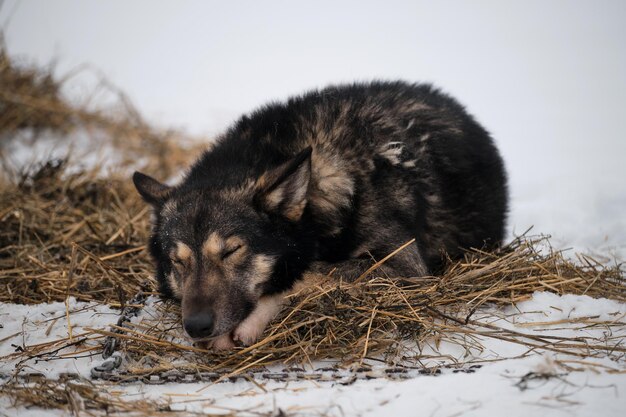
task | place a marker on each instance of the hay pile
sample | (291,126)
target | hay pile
(30,98)
(74,397)
(77,233)
(390,320)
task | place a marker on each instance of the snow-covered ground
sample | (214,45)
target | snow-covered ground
(84,149)
(511,376)
(548,79)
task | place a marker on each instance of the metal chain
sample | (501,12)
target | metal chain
(112,374)
(111,343)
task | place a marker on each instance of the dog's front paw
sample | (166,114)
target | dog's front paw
(223,342)
(248,332)
(251,329)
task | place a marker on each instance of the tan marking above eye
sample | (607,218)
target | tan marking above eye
(182,254)
(213,245)
(219,248)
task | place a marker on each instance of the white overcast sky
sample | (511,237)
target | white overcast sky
(547,78)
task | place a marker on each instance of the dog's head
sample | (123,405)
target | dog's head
(219,250)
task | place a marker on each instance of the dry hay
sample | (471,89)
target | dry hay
(78,233)
(74,397)
(388,319)
(30,98)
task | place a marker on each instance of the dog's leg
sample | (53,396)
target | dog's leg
(404,264)
(407,263)
(348,270)
(352,269)
(251,329)
(223,342)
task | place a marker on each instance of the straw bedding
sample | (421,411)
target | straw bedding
(79,233)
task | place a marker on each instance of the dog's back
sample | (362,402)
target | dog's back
(390,162)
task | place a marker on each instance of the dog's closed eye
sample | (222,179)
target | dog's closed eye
(230,251)
(177,262)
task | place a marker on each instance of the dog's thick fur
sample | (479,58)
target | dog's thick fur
(336,177)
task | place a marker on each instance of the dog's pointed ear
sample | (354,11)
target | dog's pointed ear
(284,190)
(150,189)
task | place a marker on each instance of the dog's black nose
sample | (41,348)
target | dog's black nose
(199,325)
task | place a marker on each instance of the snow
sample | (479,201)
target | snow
(83,150)
(546,78)
(27,325)
(550,307)
(443,395)
(573,386)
